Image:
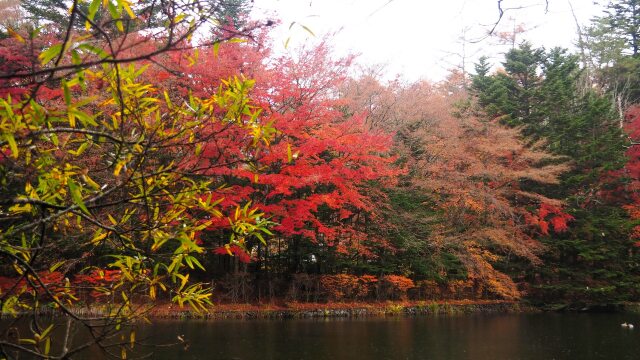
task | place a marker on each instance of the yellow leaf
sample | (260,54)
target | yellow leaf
(118,168)
(98,237)
(90,182)
(72,119)
(132,338)
(127,8)
(15,35)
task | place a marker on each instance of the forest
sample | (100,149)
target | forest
(160,151)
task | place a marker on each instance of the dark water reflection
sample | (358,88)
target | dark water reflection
(479,337)
(538,336)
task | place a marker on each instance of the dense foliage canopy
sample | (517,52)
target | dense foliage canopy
(158,152)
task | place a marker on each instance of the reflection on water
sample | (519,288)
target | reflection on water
(480,337)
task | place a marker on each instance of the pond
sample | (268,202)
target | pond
(473,337)
(476,337)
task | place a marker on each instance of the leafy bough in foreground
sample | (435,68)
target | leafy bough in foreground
(107,173)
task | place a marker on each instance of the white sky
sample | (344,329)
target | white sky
(420,39)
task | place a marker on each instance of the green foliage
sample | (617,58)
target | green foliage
(411,218)
(542,93)
(107,172)
(137,14)
(623,19)
(82,174)
(232,12)
(573,122)
(611,45)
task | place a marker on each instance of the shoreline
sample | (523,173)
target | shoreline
(354,310)
(342,310)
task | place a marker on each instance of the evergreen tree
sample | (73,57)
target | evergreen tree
(543,96)
(156,12)
(232,12)
(612,42)
(623,17)
(521,65)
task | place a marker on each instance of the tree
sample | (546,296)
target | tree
(232,12)
(581,125)
(612,45)
(101,166)
(462,206)
(149,13)
(623,18)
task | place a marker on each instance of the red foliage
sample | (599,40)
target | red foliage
(13,59)
(632,170)
(314,175)
(54,281)
(550,215)
(97,278)
(554,215)
(234,250)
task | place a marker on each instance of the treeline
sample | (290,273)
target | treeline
(270,177)
(519,181)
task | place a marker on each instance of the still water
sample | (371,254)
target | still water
(478,337)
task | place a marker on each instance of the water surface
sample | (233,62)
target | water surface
(477,337)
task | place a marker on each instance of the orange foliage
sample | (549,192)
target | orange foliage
(344,286)
(340,286)
(473,168)
(395,286)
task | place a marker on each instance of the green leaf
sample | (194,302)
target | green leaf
(56,265)
(46,331)
(93,8)
(50,53)
(197,263)
(75,57)
(67,93)
(85,118)
(35,33)
(261,238)
(12,145)
(93,49)
(82,148)
(113,11)
(76,195)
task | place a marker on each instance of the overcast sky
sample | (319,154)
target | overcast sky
(422,39)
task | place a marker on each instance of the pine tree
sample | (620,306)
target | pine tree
(612,42)
(543,96)
(623,17)
(224,12)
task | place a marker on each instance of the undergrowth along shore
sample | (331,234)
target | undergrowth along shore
(304,310)
(341,310)
(299,310)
